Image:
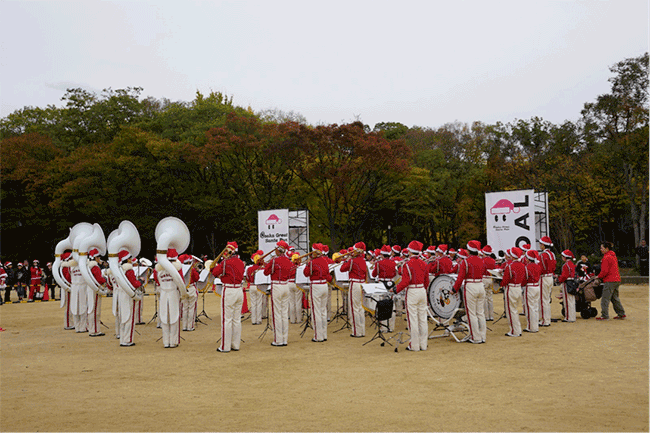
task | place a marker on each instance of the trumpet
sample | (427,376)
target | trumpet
(298,260)
(260,260)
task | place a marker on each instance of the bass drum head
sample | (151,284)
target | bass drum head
(442,299)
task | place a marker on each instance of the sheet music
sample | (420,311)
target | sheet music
(341,276)
(374,289)
(300,276)
(260,278)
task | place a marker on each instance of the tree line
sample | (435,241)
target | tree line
(114,156)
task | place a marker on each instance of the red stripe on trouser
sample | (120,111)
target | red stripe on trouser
(95,330)
(132,322)
(512,328)
(408,316)
(311,313)
(275,328)
(469,320)
(178,337)
(67,310)
(351,312)
(528,324)
(223,319)
(541,302)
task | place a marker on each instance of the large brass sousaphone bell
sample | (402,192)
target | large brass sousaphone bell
(126,237)
(171,232)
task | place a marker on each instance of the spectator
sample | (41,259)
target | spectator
(583,268)
(3,280)
(642,252)
(48,279)
(611,279)
(11,280)
(22,278)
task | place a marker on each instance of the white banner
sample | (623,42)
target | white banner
(510,219)
(272,226)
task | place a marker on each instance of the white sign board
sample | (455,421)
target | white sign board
(272,226)
(510,219)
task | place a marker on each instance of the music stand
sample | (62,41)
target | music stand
(307,323)
(341,312)
(267,293)
(383,311)
(202,313)
(155,314)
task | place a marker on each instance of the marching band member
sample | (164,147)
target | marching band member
(169,306)
(548,264)
(189,302)
(94,298)
(514,276)
(357,273)
(126,303)
(231,272)
(454,260)
(295,294)
(68,320)
(111,284)
(568,271)
(279,268)
(139,303)
(396,252)
(525,248)
(36,275)
(385,272)
(78,298)
(326,250)
(255,296)
(489,263)
(470,272)
(531,293)
(442,264)
(317,269)
(415,280)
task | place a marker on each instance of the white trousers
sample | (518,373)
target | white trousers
(329,302)
(356,314)
(126,325)
(95,316)
(569,305)
(513,297)
(280,312)
(188,309)
(488,307)
(138,311)
(474,306)
(416,316)
(531,301)
(68,320)
(232,299)
(256,300)
(545,301)
(318,300)
(295,303)
(171,332)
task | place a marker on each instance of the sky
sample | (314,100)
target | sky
(420,63)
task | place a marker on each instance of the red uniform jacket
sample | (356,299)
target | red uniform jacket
(250,273)
(36,275)
(230,271)
(514,273)
(609,268)
(442,265)
(413,272)
(385,270)
(472,268)
(568,271)
(317,270)
(548,262)
(533,273)
(130,275)
(279,268)
(489,263)
(357,269)
(65,272)
(97,275)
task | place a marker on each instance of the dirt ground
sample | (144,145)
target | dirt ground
(583,376)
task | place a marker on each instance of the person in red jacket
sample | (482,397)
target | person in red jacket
(36,274)
(569,300)
(514,276)
(189,302)
(231,273)
(470,277)
(95,298)
(611,279)
(279,268)
(415,280)
(256,297)
(442,264)
(318,272)
(548,264)
(385,271)
(68,320)
(531,293)
(357,271)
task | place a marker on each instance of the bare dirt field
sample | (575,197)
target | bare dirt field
(583,376)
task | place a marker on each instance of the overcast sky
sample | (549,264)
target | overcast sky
(423,63)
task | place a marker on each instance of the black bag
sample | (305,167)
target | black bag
(572,286)
(384,309)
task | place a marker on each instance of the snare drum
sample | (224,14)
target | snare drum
(442,299)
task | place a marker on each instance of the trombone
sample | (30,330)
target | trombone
(228,248)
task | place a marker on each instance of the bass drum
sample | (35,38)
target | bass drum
(442,299)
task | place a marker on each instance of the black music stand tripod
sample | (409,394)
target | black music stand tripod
(268,317)
(383,311)
(202,313)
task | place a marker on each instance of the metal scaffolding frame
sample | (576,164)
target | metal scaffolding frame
(299,230)
(541,214)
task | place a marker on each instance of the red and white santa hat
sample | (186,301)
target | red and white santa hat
(232,246)
(451,251)
(545,240)
(360,246)
(9,263)
(474,246)
(123,255)
(431,249)
(172,254)
(385,250)
(442,248)
(65,256)
(94,252)
(525,247)
(568,254)
(316,246)
(516,253)
(185,259)
(462,253)
(325,248)
(282,245)
(35,262)
(415,247)
(396,249)
(487,249)
(532,255)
